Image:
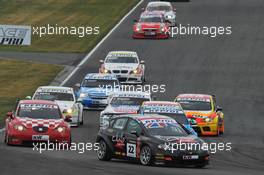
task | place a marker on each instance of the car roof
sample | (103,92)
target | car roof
(194,96)
(145,116)
(127,53)
(131,94)
(152,14)
(99,76)
(37,102)
(161,103)
(158,3)
(55,88)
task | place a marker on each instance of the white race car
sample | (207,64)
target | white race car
(65,98)
(165,8)
(123,102)
(125,65)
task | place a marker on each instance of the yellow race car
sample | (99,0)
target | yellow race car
(204,115)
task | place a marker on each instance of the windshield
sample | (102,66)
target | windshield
(54,96)
(164,127)
(39,111)
(128,101)
(100,83)
(196,105)
(181,118)
(115,59)
(151,19)
(159,8)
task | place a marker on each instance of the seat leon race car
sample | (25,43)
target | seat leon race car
(65,98)
(95,88)
(126,65)
(151,25)
(164,8)
(123,102)
(205,116)
(150,139)
(37,121)
(171,109)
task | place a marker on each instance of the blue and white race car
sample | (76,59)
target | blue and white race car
(95,88)
(170,109)
(123,102)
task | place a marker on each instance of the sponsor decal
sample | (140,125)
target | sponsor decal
(15,35)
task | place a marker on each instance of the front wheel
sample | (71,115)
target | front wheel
(104,152)
(145,156)
(6,139)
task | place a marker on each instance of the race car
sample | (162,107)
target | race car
(65,98)
(171,109)
(123,102)
(150,139)
(126,65)
(95,88)
(151,25)
(205,116)
(37,121)
(165,8)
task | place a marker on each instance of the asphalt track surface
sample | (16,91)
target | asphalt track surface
(231,67)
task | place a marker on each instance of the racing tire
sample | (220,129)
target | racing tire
(6,140)
(146,157)
(81,123)
(222,128)
(201,165)
(104,152)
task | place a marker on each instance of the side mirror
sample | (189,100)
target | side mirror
(77,85)
(174,9)
(142,62)
(10,115)
(101,61)
(67,118)
(28,97)
(135,21)
(134,133)
(143,9)
(218,108)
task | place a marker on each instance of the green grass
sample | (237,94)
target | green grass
(102,13)
(19,79)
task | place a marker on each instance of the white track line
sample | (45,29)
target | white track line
(98,45)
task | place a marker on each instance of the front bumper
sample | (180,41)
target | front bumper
(129,78)
(206,129)
(154,36)
(26,137)
(90,103)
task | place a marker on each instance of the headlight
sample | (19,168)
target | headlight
(82,95)
(138,27)
(208,119)
(135,71)
(170,16)
(61,129)
(165,146)
(69,111)
(106,71)
(19,127)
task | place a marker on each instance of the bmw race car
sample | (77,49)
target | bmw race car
(95,88)
(123,102)
(165,8)
(171,109)
(205,116)
(151,25)
(126,65)
(150,139)
(65,98)
(37,121)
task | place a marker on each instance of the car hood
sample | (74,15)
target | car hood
(30,123)
(121,109)
(65,104)
(121,66)
(178,139)
(197,114)
(96,91)
(150,25)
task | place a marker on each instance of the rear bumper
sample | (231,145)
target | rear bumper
(89,103)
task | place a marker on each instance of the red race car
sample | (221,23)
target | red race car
(37,121)
(151,25)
